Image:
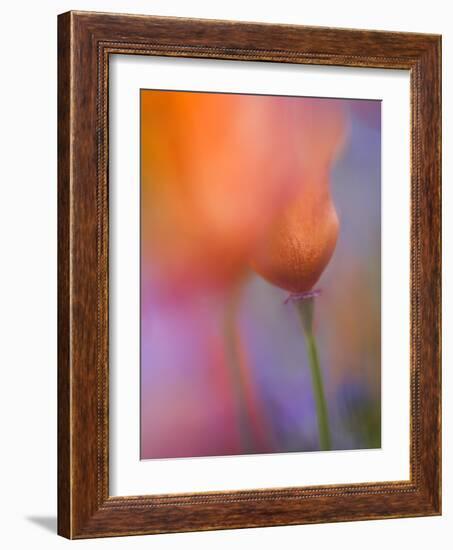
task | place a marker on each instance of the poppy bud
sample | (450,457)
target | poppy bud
(301,239)
(301,242)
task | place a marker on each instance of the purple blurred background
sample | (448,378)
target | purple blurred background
(192,404)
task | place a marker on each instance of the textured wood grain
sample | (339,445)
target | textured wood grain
(85,42)
(64,368)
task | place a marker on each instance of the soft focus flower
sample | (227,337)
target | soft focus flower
(216,169)
(301,240)
(222,173)
(225,179)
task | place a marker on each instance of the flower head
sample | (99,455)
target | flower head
(301,240)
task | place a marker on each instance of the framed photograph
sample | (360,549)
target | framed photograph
(249,275)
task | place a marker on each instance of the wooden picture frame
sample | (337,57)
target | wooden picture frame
(85,42)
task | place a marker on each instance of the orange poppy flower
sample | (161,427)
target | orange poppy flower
(228,175)
(302,238)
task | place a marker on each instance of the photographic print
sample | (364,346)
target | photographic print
(249,275)
(260,274)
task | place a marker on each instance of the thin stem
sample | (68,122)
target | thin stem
(234,363)
(305,310)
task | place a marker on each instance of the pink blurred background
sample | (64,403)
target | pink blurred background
(223,362)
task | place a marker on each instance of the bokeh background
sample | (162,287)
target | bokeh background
(196,305)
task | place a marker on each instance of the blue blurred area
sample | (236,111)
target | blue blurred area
(193,405)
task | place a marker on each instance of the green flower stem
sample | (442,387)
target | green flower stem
(305,310)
